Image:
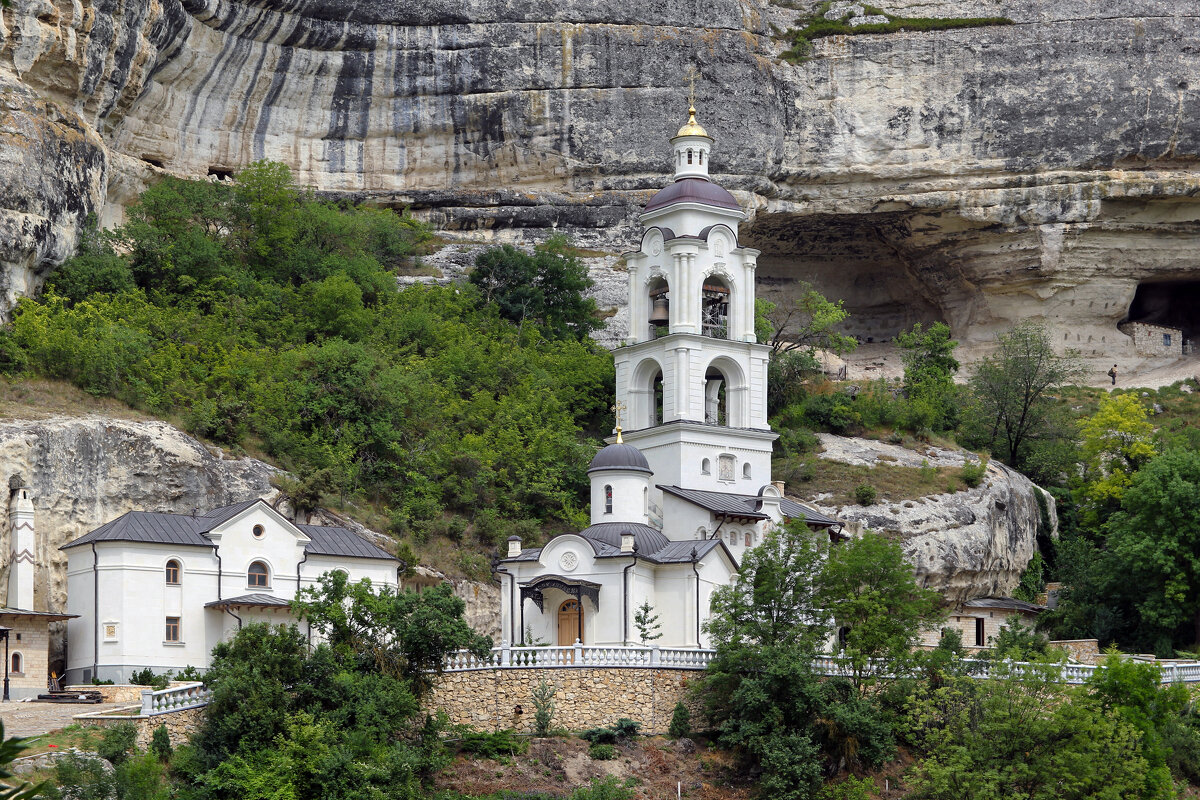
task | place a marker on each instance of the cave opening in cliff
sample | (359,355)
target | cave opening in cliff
(863,260)
(1168,304)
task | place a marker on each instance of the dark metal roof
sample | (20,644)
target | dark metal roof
(681,552)
(1010,603)
(330,541)
(693,190)
(188,531)
(620,456)
(261,600)
(746,506)
(49,616)
(212,519)
(147,526)
(648,540)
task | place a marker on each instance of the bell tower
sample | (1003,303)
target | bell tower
(691,374)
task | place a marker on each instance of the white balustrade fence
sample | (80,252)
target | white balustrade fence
(637,656)
(581,655)
(175,698)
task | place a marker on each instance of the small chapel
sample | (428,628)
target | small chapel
(684,487)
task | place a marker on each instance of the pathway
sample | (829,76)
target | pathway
(33,719)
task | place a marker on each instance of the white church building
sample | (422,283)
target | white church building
(159,590)
(679,496)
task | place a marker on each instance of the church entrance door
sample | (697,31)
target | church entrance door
(570,623)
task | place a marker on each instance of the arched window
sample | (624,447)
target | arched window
(748,538)
(258,575)
(172,573)
(16,664)
(607,499)
(701,532)
(714,308)
(701,156)
(658,297)
(689,156)
(746,470)
(706,467)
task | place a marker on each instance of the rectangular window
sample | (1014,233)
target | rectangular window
(172,629)
(1166,340)
(979,642)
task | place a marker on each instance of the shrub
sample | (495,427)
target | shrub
(681,722)
(833,412)
(973,472)
(543,705)
(600,736)
(160,743)
(189,673)
(141,777)
(602,752)
(83,777)
(627,728)
(865,494)
(117,742)
(493,745)
(610,788)
(146,677)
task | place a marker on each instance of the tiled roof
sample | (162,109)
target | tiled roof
(745,505)
(250,600)
(330,541)
(147,526)
(681,552)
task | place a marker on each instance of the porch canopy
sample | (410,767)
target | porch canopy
(574,587)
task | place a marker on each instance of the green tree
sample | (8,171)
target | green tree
(405,635)
(1117,442)
(1020,735)
(1154,548)
(809,323)
(867,587)
(1012,403)
(929,369)
(646,622)
(545,288)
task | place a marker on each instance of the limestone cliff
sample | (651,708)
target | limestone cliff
(978,176)
(973,543)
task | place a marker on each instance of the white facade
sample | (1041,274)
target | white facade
(686,488)
(150,603)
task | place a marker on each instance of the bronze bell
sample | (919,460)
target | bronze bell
(659,315)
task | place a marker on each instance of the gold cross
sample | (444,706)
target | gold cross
(617,408)
(691,73)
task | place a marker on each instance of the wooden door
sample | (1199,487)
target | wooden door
(570,623)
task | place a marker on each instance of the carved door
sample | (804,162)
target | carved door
(570,623)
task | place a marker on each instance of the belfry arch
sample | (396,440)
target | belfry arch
(648,395)
(725,394)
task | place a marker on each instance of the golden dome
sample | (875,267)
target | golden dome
(692,128)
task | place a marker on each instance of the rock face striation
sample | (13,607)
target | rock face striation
(979,176)
(973,543)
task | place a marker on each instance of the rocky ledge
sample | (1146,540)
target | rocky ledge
(973,543)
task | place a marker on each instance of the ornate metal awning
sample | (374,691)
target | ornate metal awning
(573,587)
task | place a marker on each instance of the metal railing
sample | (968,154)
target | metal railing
(175,698)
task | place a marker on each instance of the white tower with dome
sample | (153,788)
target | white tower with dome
(681,493)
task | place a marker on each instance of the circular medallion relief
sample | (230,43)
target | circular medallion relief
(568,561)
(655,246)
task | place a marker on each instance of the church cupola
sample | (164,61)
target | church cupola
(620,477)
(692,145)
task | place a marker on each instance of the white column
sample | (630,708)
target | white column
(683,387)
(748,305)
(21,557)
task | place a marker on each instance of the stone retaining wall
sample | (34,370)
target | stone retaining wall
(1085,651)
(587,697)
(180,724)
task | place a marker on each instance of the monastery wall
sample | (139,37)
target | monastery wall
(495,699)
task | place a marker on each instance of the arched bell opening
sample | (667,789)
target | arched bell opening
(715,297)
(659,299)
(724,394)
(648,394)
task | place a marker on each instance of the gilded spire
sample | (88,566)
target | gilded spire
(692,128)
(617,409)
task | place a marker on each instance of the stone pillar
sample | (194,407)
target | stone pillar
(21,556)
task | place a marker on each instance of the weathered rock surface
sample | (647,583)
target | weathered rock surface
(979,176)
(973,543)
